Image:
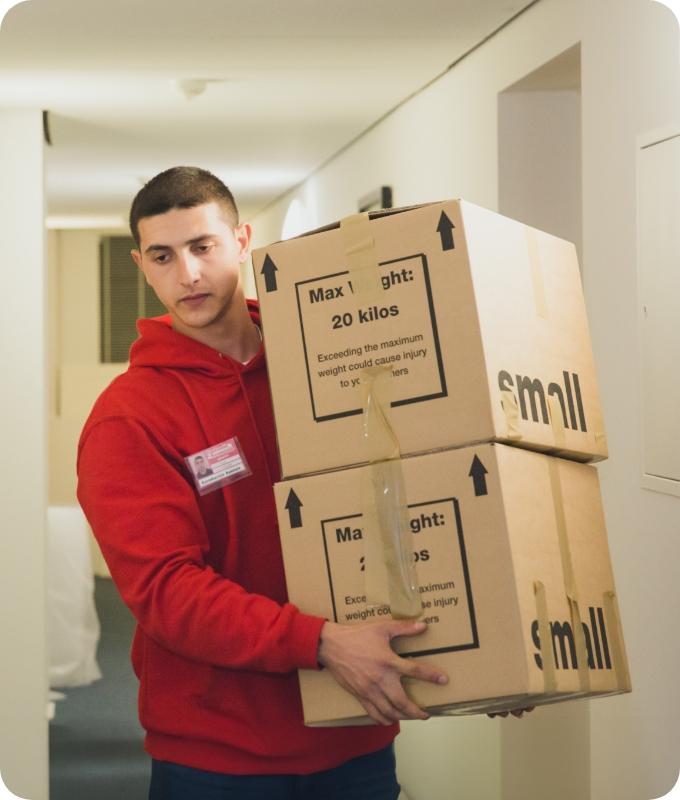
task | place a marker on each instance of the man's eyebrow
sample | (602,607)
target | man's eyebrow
(152,248)
(200,238)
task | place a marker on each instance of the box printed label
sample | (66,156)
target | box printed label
(448,605)
(343,336)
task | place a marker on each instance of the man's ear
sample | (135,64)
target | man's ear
(242,234)
(137,258)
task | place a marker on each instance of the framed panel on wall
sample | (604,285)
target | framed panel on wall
(659,307)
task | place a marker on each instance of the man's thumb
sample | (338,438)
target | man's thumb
(406,627)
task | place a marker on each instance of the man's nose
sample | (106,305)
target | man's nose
(189,269)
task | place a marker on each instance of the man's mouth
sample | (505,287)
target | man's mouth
(193,299)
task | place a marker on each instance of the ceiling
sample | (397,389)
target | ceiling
(288,84)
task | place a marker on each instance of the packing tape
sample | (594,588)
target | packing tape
(381,441)
(583,667)
(390,578)
(511,411)
(362,256)
(389,567)
(611,613)
(536,273)
(547,652)
(556,420)
(569,577)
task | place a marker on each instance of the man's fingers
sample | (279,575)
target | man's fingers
(374,713)
(519,711)
(407,709)
(392,702)
(392,709)
(410,668)
(516,712)
(361,661)
(402,627)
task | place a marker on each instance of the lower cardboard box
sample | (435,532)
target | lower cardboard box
(513,572)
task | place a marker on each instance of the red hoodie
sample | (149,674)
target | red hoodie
(217,644)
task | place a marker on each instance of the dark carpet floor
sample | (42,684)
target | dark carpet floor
(96,750)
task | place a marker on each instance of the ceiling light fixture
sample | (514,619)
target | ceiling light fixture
(6,5)
(193,87)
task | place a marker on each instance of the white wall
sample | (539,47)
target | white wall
(23,467)
(631,83)
(449,759)
(540,161)
(443,143)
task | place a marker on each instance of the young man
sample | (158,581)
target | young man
(217,644)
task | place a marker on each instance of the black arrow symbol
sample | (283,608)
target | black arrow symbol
(269,270)
(477,473)
(445,230)
(293,506)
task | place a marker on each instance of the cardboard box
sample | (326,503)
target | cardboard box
(478,320)
(499,534)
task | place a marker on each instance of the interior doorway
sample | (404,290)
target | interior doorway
(539,148)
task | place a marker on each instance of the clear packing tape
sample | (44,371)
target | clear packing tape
(508,399)
(389,566)
(511,412)
(390,575)
(548,654)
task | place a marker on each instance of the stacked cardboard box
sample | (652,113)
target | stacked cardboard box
(466,332)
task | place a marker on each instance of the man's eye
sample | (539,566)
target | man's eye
(203,248)
(161,259)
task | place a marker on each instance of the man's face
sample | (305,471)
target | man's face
(199,463)
(191,258)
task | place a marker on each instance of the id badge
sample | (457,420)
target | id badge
(218,466)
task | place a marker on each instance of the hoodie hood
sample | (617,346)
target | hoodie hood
(159,345)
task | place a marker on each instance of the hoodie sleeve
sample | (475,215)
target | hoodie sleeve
(146,518)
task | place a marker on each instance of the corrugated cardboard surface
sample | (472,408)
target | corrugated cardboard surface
(483,539)
(472,309)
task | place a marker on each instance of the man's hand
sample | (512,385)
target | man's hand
(518,712)
(362,661)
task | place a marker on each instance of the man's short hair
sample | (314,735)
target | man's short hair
(180,187)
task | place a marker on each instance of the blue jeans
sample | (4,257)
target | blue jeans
(369,777)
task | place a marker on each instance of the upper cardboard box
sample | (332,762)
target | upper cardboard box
(477,321)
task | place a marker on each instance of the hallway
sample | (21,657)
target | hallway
(96,745)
